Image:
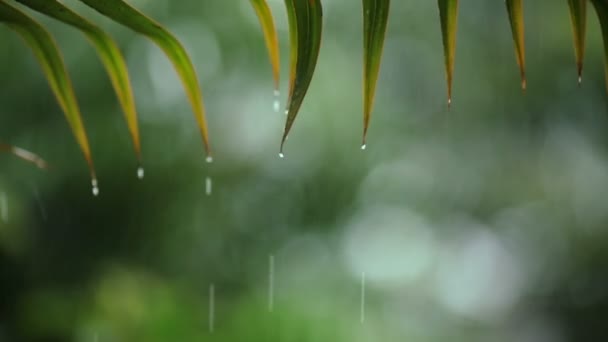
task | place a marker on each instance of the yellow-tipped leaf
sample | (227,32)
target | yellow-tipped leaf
(109,53)
(123,13)
(270,36)
(448,15)
(305,27)
(516,19)
(578,17)
(46,52)
(375,19)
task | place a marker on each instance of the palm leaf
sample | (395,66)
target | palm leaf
(24,154)
(109,53)
(448,15)
(578,16)
(305,27)
(123,13)
(49,57)
(601,8)
(375,18)
(516,18)
(271,38)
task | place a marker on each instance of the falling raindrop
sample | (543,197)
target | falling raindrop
(271,283)
(209,159)
(95,187)
(277,103)
(208,186)
(3,207)
(140,172)
(211,307)
(363,297)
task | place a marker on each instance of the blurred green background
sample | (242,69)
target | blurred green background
(485,223)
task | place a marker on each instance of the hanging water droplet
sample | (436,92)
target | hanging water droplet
(209,159)
(363,147)
(580,80)
(140,172)
(95,187)
(3,207)
(281,155)
(208,186)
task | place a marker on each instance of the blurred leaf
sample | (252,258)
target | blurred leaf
(375,18)
(305,27)
(24,154)
(448,14)
(601,8)
(578,16)
(516,18)
(123,13)
(108,52)
(49,57)
(271,37)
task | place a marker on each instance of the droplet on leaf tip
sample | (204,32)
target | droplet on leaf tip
(140,172)
(281,155)
(580,80)
(95,187)
(363,147)
(209,159)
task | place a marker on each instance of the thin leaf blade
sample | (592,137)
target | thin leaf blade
(124,14)
(306,27)
(24,154)
(375,20)
(578,18)
(109,54)
(601,8)
(270,37)
(448,15)
(516,19)
(46,52)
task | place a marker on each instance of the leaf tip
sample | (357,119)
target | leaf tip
(94,186)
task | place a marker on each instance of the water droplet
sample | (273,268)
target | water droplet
(281,155)
(286,112)
(277,102)
(211,307)
(270,283)
(208,186)
(95,187)
(209,159)
(580,80)
(3,207)
(363,297)
(363,147)
(140,172)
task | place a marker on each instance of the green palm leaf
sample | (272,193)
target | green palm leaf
(375,18)
(448,15)
(49,57)
(109,53)
(305,27)
(122,13)
(516,18)
(578,16)
(271,37)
